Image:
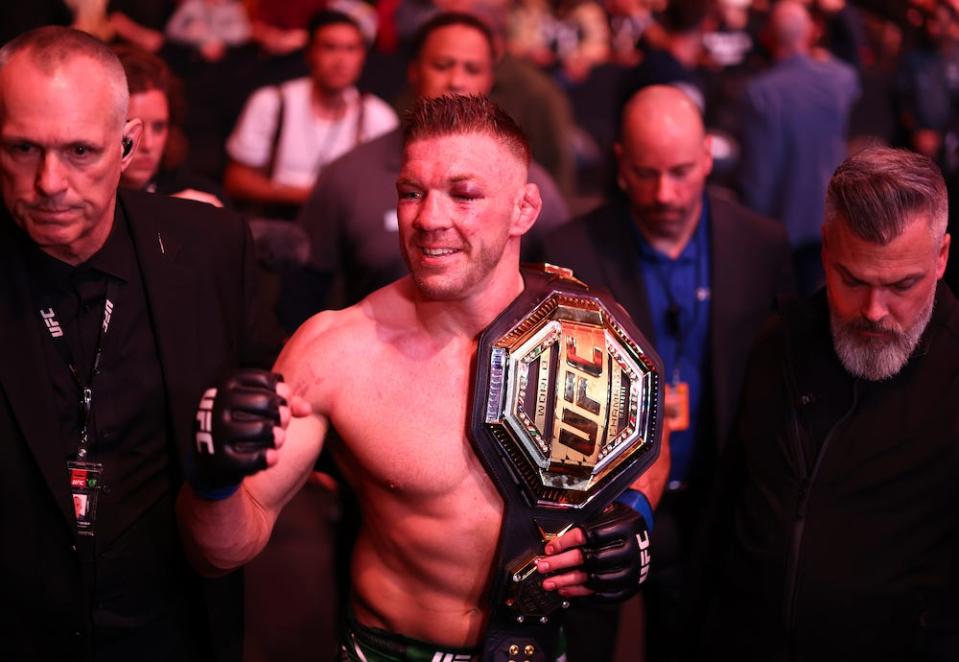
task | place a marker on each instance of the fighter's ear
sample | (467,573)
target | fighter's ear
(526,209)
(132,132)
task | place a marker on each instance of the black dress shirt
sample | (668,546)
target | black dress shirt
(137,582)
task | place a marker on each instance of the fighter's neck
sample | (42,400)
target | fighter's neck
(469,316)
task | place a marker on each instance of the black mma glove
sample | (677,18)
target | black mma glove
(233,431)
(616,554)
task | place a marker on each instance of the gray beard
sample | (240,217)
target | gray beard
(876,359)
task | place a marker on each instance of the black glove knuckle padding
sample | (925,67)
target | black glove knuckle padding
(611,556)
(245,410)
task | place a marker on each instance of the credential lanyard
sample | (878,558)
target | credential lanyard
(85,386)
(674,324)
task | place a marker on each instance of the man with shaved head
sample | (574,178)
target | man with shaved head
(698,273)
(115,310)
(794,123)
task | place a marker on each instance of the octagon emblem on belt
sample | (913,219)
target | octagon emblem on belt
(572,398)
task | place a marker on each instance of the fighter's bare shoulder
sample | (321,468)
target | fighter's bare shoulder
(333,343)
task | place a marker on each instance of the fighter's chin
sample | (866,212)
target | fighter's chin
(438,289)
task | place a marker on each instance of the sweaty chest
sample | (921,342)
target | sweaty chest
(406,427)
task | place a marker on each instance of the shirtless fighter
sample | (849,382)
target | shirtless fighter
(393,375)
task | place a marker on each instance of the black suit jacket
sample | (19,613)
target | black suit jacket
(198,268)
(750,270)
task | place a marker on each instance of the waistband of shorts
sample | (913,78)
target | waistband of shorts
(379,644)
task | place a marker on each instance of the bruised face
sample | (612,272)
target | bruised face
(881,296)
(60,153)
(462,200)
(336,56)
(456,59)
(152,109)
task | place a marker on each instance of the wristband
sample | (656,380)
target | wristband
(637,501)
(207,492)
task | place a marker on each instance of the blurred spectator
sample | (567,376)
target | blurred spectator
(841,30)
(573,35)
(699,274)
(927,86)
(730,41)
(90,16)
(159,161)
(543,111)
(288,133)
(795,119)
(141,22)
(351,213)
(628,21)
(672,54)
(210,26)
(533,100)
(281,27)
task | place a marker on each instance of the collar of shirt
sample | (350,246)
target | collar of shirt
(691,251)
(114,258)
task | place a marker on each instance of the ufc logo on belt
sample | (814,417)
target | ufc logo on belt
(583,416)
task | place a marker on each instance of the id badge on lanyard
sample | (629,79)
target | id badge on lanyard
(86,476)
(85,480)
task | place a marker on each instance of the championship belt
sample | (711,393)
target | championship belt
(566,414)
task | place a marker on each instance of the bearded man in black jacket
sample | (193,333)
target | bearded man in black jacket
(841,482)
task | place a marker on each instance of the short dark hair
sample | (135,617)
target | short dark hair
(878,191)
(326,17)
(447,19)
(146,72)
(54,46)
(457,114)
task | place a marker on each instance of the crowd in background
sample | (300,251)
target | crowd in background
(228,77)
(565,68)
(904,54)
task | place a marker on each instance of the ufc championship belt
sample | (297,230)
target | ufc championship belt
(566,414)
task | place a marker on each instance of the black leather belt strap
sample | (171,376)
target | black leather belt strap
(524,620)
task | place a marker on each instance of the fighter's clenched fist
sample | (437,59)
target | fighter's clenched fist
(237,423)
(616,554)
(607,559)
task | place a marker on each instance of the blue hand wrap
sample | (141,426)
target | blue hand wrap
(637,501)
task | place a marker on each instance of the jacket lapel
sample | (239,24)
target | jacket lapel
(621,268)
(24,375)
(172,303)
(725,306)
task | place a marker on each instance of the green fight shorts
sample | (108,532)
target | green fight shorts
(359,643)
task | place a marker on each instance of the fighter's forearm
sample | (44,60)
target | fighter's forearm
(219,536)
